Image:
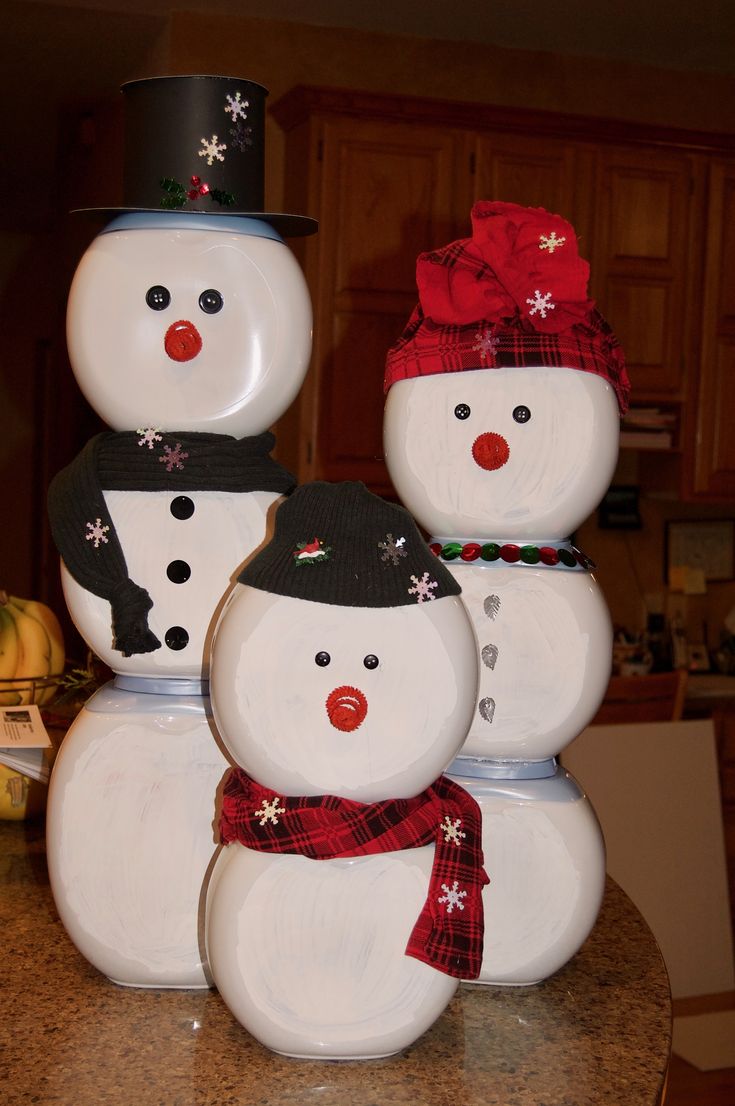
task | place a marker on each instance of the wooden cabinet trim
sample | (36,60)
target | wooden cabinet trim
(303,101)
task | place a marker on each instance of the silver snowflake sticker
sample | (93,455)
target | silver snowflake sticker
(452,897)
(451,830)
(97,533)
(487,344)
(423,588)
(235,107)
(149,435)
(212,149)
(541,303)
(550,242)
(392,549)
(269,811)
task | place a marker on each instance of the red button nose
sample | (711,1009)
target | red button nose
(490,451)
(183,341)
(346,708)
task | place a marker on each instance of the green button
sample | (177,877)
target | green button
(530,554)
(451,550)
(490,551)
(567,558)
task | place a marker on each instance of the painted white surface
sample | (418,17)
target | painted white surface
(545,857)
(310,955)
(544,642)
(223,531)
(655,788)
(559,465)
(254,352)
(269,696)
(130,836)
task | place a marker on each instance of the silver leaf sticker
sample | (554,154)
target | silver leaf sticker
(489,656)
(492,605)
(487,709)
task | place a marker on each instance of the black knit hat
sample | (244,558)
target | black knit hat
(340,544)
(197,144)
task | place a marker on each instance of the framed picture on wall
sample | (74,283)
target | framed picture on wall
(706,545)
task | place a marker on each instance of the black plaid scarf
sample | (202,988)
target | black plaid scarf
(129,461)
(448,934)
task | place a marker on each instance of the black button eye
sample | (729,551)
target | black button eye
(371,661)
(521,413)
(322,659)
(211,301)
(462,411)
(158,298)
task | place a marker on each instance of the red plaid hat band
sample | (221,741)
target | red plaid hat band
(427,348)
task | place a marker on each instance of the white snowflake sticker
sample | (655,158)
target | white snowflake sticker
(269,811)
(541,303)
(550,242)
(452,897)
(235,107)
(487,344)
(149,435)
(423,588)
(212,149)
(97,533)
(451,830)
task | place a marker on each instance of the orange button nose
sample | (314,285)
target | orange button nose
(183,341)
(490,451)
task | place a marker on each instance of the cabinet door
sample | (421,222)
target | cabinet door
(714,388)
(534,172)
(387,194)
(641,268)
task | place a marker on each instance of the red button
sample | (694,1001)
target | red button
(549,555)
(510,553)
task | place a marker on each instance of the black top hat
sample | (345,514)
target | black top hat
(197,143)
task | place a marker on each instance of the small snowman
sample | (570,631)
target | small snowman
(189,332)
(348,899)
(501,436)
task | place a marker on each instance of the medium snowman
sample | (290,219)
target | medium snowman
(347,901)
(501,436)
(189,332)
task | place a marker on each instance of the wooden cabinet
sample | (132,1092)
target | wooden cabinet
(391,177)
(711,473)
(371,232)
(641,263)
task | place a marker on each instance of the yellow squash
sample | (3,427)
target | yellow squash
(31,648)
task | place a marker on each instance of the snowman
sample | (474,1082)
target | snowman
(347,901)
(189,332)
(501,436)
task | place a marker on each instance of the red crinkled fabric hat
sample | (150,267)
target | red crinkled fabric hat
(512,295)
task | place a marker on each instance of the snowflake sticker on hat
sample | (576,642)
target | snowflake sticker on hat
(512,295)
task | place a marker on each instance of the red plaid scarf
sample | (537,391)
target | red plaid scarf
(448,934)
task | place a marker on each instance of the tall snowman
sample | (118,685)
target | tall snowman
(348,899)
(501,436)
(189,332)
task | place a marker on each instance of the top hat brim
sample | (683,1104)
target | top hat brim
(289,226)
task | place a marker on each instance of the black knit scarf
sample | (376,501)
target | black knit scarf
(144,461)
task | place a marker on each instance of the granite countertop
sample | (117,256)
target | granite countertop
(597,1032)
